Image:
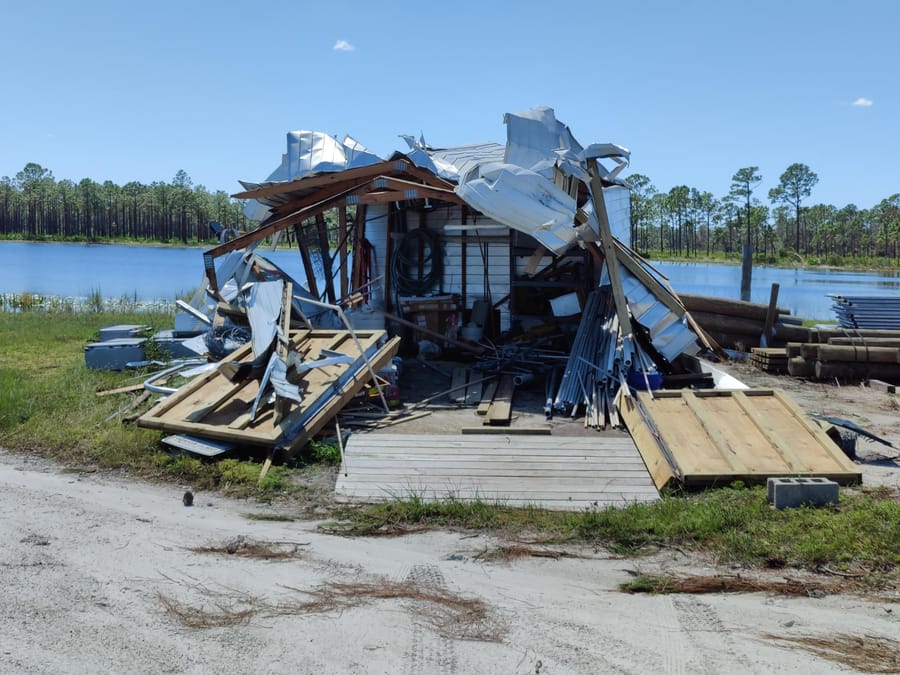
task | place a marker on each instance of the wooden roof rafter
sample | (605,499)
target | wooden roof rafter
(385,189)
(321,180)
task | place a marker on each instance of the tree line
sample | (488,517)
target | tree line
(684,222)
(36,206)
(687,222)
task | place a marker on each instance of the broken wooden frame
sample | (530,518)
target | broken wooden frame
(305,200)
(211,406)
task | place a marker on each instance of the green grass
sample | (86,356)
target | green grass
(734,525)
(49,406)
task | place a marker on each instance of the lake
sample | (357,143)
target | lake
(161,274)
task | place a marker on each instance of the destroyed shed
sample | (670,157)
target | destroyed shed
(515,256)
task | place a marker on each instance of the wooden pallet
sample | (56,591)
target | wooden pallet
(715,437)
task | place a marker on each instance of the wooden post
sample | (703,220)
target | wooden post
(359,234)
(771,314)
(307,262)
(463,251)
(342,239)
(746,270)
(609,250)
(282,343)
(325,252)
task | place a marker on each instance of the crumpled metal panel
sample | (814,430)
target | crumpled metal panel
(520,192)
(670,334)
(524,201)
(311,152)
(263,309)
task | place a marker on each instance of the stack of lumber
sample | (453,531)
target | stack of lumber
(770,359)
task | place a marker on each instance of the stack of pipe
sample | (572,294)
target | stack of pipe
(598,363)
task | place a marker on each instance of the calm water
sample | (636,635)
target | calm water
(802,291)
(77,270)
(162,274)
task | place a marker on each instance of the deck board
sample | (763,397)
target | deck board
(560,473)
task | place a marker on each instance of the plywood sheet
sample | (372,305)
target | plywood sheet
(710,437)
(552,472)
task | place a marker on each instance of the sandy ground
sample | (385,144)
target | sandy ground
(88,559)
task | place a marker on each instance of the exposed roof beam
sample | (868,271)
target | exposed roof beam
(391,167)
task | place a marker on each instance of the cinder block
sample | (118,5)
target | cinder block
(787,493)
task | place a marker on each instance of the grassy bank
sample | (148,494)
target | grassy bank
(786,260)
(49,405)
(732,525)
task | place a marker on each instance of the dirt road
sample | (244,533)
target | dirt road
(88,564)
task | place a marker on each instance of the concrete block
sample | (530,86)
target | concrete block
(787,493)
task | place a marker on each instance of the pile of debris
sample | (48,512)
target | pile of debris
(514,256)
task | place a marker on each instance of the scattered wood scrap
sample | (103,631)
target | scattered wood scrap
(211,406)
(499,413)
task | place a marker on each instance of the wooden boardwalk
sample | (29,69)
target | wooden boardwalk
(554,472)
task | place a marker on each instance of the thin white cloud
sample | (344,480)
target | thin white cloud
(343,46)
(862,102)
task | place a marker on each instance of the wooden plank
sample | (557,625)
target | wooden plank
(311,283)
(500,410)
(591,467)
(534,260)
(219,403)
(458,386)
(342,239)
(357,382)
(818,433)
(710,426)
(765,425)
(122,390)
(487,395)
(516,431)
(716,436)
(325,252)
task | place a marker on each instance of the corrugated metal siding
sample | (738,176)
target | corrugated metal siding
(376,233)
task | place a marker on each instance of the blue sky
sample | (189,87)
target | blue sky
(696,90)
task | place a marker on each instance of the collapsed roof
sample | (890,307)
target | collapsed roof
(533,184)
